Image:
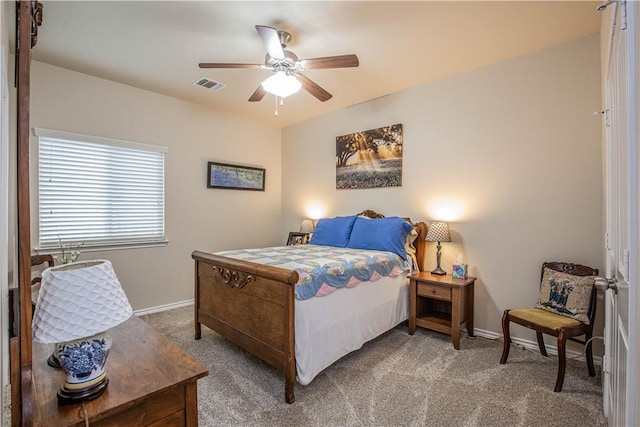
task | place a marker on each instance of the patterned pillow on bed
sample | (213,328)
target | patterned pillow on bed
(411,249)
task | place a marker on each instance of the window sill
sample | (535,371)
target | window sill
(105,247)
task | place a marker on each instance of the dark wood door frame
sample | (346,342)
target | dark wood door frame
(28,18)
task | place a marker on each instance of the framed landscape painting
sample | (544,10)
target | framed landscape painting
(370,159)
(235,177)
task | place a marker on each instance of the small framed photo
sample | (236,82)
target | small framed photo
(235,177)
(296,238)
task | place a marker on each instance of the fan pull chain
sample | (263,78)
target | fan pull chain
(281,104)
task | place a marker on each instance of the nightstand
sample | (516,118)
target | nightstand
(441,303)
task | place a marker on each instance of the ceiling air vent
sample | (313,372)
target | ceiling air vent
(209,84)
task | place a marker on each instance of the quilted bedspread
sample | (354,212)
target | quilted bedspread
(323,269)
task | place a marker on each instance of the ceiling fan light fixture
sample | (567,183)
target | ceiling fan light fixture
(282,84)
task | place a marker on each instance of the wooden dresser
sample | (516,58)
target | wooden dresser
(151,382)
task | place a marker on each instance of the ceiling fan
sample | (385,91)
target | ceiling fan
(287,69)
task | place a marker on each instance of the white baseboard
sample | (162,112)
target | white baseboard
(533,345)
(165,307)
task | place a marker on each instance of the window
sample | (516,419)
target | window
(99,192)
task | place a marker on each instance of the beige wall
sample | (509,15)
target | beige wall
(512,150)
(196,217)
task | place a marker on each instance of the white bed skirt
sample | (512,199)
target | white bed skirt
(334,325)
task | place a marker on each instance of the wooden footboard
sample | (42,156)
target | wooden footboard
(251,305)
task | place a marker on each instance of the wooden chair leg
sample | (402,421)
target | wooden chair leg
(198,330)
(562,361)
(543,349)
(589,354)
(506,337)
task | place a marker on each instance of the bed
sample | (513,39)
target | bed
(269,303)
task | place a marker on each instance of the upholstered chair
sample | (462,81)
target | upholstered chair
(566,310)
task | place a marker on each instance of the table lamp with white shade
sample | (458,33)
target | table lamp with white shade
(77,305)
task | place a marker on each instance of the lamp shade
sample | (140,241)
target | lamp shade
(307,226)
(282,84)
(438,232)
(79,300)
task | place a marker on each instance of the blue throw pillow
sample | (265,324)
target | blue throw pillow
(333,231)
(383,234)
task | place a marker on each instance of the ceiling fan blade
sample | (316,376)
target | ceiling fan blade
(313,88)
(271,41)
(340,61)
(258,94)
(226,65)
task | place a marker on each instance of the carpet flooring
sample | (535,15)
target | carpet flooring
(394,380)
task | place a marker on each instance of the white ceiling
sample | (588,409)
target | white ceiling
(157,45)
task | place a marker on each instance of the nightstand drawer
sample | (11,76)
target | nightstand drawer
(434,291)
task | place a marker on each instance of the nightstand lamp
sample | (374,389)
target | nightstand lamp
(307,226)
(77,305)
(438,232)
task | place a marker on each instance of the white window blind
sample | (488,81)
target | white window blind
(99,191)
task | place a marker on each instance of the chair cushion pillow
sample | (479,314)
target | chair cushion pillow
(566,294)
